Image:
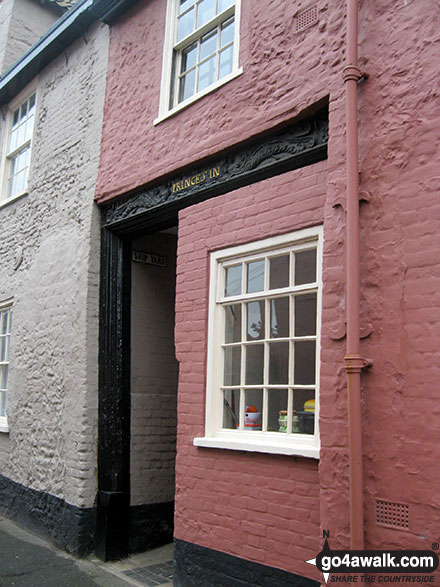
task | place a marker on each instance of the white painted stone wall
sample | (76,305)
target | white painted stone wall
(22,22)
(154,374)
(53,383)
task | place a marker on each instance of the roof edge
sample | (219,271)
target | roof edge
(63,33)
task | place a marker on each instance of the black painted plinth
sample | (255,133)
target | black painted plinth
(112,525)
(67,526)
(197,566)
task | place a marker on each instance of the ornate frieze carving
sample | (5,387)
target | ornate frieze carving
(301,144)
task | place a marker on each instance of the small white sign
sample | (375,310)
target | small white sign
(149,259)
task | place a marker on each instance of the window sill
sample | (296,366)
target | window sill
(4,203)
(265,445)
(198,96)
(4,425)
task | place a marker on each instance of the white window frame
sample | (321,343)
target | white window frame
(5,306)
(171,45)
(251,440)
(8,155)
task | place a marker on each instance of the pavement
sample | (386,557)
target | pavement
(29,561)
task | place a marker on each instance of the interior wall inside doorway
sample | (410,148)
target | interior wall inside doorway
(154,373)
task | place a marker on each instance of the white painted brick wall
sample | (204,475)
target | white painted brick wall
(53,384)
(22,22)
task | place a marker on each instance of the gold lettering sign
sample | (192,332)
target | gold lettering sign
(193,180)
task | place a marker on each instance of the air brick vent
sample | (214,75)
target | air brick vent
(392,515)
(306,18)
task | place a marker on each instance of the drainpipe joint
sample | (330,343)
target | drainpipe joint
(352,73)
(355,363)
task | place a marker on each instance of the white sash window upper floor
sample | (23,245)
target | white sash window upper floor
(17,151)
(201,50)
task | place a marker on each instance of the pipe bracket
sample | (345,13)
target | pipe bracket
(353,73)
(355,363)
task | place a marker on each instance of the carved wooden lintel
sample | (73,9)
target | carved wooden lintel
(301,144)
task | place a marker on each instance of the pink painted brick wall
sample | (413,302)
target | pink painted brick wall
(283,73)
(260,507)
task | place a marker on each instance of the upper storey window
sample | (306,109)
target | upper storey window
(18,151)
(201,50)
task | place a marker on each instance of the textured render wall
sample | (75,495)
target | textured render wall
(22,22)
(263,508)
(5,19)
(154,374)
(52,398)
(256,101)
(400,153)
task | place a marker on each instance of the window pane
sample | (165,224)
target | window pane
(233,323)
(253,409)
(185,4)
(279,363)
(255,276)
(223,4)
(206,74)
(303,404)
(208,45)
(23,111)
(186,24)
(205,12)
(305,315)
(15,118)
(233,281)
(226,57)
(305,267)
(279,272)
(304,361)
(4,348)
(279,318)
(231,409)
(254,364)
(255,321)
(29,128)
(187,85)
(189,57)
(19,183)
(277,410)
(232,366)
(2,404)
(4,322)
(4,377)
(13,142)
(21,133)
(227,32)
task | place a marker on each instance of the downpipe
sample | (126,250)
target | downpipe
(353,361)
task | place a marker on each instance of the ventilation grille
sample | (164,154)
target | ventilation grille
(392,515)
(306,18)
